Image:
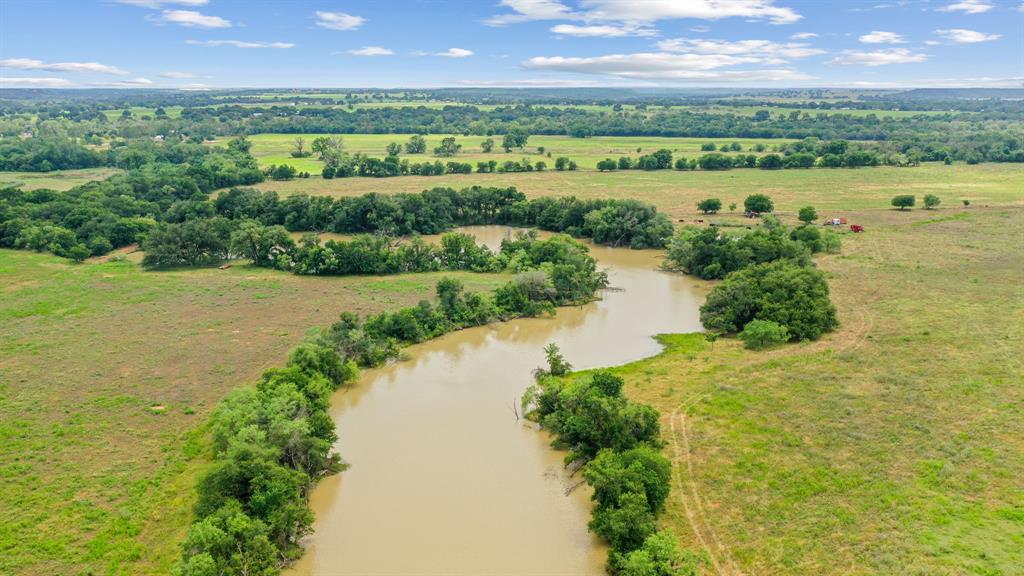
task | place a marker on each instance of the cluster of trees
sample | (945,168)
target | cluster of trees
(608,221)
(618,443)
(270,443)
(95,218)
(906,201)
(768,276)
(660,160)
(46,154)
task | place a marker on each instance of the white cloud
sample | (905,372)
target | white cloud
(878,37)
(631,11)
(664,66)
(176,75)
(193,19)
(32,64)
(449,53)
(371,51)
(194,87)
(700,29)
(530,82)
(764,50)
(932,42)
(9,82)
(132,83)
(240,44)
(527,10)
(602,31)
(879,57)
(159,3)
(961,36)
(338,20)
(974,82)
(803,36)
(968,7)
(653,10)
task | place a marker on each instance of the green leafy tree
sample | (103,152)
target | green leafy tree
(760,334)
(660,556)
(79,252)
(487,145)
(627,524)
(904,201)
(758,203)
(449,147)
(394,149)
(557,365)
(931,201)
(807,214)
(228,543)
(709,205)
(417,144)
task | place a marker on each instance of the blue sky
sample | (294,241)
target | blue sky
(409,43)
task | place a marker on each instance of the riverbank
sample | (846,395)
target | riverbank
(439,461)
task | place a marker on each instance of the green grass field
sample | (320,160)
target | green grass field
(106,374)
(276,148)
(56,180)
(894,445)
(832,190)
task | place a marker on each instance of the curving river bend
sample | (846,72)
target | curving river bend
(444,481)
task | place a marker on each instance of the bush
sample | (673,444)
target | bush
(709,205)
(758,203)
(760,334)
(931,201)
(783,292)
(769,162)
(904,201)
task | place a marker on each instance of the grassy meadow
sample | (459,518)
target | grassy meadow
(276,148)
(894,445)
(56,180)
(107,376)
(678,192)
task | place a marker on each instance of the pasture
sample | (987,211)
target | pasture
(60,180)
(107,377)
(276,148)
(892,446)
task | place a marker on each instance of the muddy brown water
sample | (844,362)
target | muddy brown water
(443,479)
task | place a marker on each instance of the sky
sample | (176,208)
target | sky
(198,44)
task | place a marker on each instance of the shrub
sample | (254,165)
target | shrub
(758,203)
(769,162)
(904,201)
(783,292)
(760,334)
(931,201)
(709,205)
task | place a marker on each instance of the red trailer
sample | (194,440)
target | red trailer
(856,228)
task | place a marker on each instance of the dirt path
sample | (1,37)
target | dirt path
(718,553)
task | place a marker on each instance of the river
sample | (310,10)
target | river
(443,479)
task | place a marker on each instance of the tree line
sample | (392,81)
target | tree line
(273,441)
(617,443)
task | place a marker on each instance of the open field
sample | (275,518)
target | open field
(56,180)
(275,148)
(140,111)
(107,375)
(678,192)
(892,446)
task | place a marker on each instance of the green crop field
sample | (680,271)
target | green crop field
(107,374)
(276,148)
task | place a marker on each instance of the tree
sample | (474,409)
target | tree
(557,366)
(487,145)
(758,203)
(641,469)
(259,243)
(759,334)
(394,149)
(931,201)
(330,149)
(732,207)
(416,145)
(715,161)
(606,165)
(769,162)
(627,524)
(791,295)
(709,205)
(807,214)
(448,147)
(229,543)
(707,147)
(516,137)
(659,556)
(78,253)
(299,148)
(904,201)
